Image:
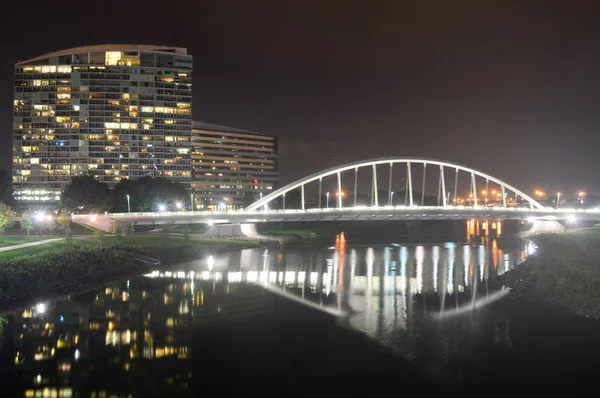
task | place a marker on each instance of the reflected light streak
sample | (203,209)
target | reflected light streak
(352,271)
(293,297)
(451,260)
(266,259)
(468,308)
(436,260)
(466,262)
(495,253)
(481,252)
(403,261)
(369,292)
(420,255)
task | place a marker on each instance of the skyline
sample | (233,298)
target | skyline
(443,82)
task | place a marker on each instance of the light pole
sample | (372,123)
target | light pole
(327,194)
(39,217)
(392,199)
(448,199)
(557,199)
(192,201)
(128,204)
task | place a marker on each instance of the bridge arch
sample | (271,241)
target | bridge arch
(373,163)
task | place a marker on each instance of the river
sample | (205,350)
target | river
(429,304)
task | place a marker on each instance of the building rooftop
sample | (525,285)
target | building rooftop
(225,129)
(107,47)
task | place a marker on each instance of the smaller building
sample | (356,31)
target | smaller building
(231,168)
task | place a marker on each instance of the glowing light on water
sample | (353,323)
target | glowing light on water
(420,256)
(468,308)
(436,260)
(466,262)
(403,261)
(266,260)
(451,259)
(481,253)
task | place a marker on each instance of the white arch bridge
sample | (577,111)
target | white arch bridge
(486,197)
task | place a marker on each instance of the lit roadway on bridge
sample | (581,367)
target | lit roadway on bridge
(448,176)
(398,213)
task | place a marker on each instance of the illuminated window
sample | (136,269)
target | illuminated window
(35,160)
(113,57)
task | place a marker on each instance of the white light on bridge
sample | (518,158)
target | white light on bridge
(162,208)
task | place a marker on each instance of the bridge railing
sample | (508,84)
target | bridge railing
(358,209)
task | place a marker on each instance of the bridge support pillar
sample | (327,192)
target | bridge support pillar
(542,226)
(231,230)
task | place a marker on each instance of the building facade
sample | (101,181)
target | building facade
(231,168)
(111,111)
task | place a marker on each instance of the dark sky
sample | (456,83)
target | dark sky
(510,87)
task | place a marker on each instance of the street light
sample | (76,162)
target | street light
(327,199)
(392,199)
(557,199)
(39,217)
(178,205)
(161,208)
(128,204)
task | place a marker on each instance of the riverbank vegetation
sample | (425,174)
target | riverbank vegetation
(565,271)
(65,264)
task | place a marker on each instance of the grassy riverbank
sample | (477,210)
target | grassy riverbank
(55,266)
(12,240)
(564,272)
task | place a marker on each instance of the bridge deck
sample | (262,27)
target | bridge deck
(397,213)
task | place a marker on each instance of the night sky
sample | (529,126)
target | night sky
(509,87)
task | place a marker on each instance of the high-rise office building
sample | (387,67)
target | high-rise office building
(111,111)
(231,167)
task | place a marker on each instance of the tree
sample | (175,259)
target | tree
(147,193)
(27,221)
(7,217)
(49,225)
(6,189)
(85,194)
(64,219)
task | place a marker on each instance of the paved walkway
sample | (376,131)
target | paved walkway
(29,244)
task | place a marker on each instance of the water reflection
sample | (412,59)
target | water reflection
(96,343)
